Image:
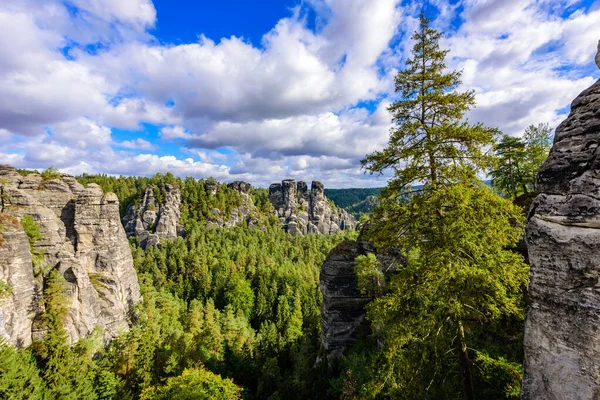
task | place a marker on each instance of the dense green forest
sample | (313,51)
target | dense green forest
(230,313)
(357,201)
(235,311)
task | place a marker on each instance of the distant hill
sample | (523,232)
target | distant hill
(356,201)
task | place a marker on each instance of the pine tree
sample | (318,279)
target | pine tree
(19,376)
(430,144)
(457,278)
(510,174)
(518,160)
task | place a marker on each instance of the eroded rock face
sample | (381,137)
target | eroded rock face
(83,238)
(238,215)
(343,308)
(150,222)
(562,331)
(301,213)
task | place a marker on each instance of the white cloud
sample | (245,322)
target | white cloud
(137,144)
(174,132)
(518,56)
(350,134)
(289,108)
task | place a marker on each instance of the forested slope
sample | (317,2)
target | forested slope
(240,302)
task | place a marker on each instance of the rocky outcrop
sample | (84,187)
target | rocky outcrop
(82,237)
(300,212)
(244,212)
(343,308)
(562,330)
(150,222)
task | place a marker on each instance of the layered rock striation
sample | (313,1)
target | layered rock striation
(151,221)
(301,212)
(343,308)
(562,330)
(82,237)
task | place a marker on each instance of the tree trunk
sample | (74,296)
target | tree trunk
(465,366)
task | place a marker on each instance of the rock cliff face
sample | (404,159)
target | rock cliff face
(150,222)
(343,308)
(83,238)
(562,331)
(301,213)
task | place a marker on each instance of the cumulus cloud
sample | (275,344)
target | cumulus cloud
(521,58)
(307,103)
(137,144)
(174,132)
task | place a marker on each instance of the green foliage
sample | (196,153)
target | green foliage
(243,303)
(510,174)
(5,289)
(66,375)
(196,204)
(346,198)
(33,235)
(494,370)
(456,289)
(358,201)
(518,160)
(31,229)
(457,273)
(19,376)
(260,198)
(50,173)
(192,384)
(371,280)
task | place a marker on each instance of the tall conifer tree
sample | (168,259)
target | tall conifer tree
(458,279)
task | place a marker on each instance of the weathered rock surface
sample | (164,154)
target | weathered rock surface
(562,330)
(150,222)
(597,59)
(83,238)
(300,212)
(343,308)
(238,215)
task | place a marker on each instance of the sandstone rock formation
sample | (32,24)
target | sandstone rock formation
(343,308)
(243,213)
(562,330)
(83,238)
(301,213)
(150,222)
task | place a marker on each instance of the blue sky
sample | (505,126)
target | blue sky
(264,91)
